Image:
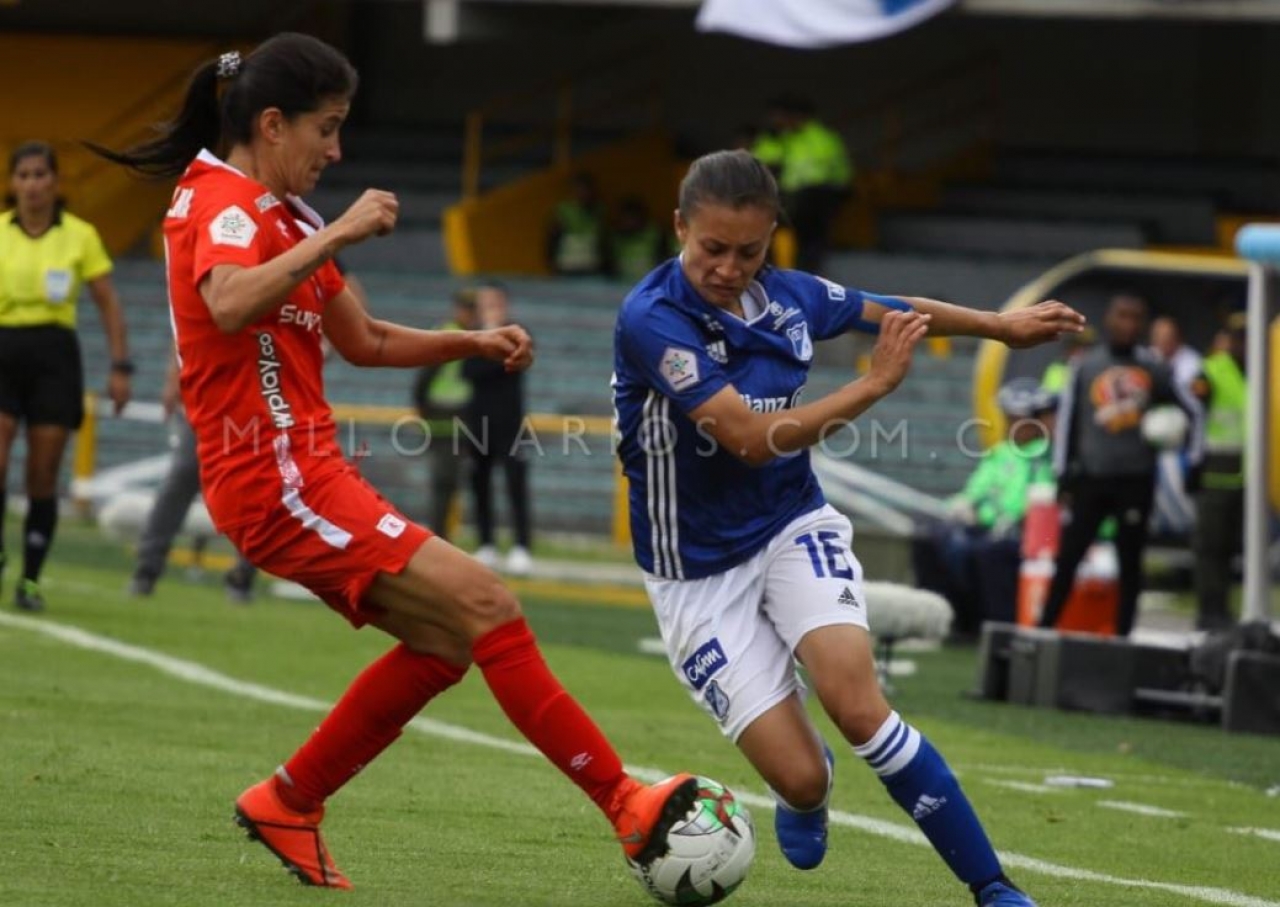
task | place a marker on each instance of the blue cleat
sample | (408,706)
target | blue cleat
(1003,894)
(802,836)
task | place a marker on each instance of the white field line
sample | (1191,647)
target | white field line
(1025,787)
(196,673)
(1269,834)
(1141,809)
(1041,771)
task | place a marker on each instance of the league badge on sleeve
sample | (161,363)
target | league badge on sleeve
(801,344)
(233,227)
(680,368)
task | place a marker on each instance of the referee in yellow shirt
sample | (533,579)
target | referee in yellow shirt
(46,255)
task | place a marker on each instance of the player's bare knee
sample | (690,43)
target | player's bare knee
(488,604)
(805,787)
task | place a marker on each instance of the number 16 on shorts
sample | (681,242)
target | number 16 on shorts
(826,551)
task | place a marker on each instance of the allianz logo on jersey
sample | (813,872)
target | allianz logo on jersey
(772,404)
(704,664)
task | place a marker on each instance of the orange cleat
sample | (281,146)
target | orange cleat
(292,836)
(644,814)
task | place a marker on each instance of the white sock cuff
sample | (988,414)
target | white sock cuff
(892,747)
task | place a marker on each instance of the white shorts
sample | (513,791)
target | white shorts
(731,637)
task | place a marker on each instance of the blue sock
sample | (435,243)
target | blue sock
(920,781)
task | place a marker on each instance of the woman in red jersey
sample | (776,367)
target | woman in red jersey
(253,288)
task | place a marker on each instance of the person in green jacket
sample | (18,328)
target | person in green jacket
(814,172)
(440,395)
(1219,530)
(973,558)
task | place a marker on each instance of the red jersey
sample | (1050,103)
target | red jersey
(255,398)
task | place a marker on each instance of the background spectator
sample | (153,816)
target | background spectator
(46,255)
(1219,530)
(972,560)
(1167,344)
(814,173)
(576,239)
(173,499)
(1173,513)
(495,416)
(1105,466)
(441,394)
(1073,346)
(637,244)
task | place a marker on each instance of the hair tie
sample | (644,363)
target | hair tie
(229,65)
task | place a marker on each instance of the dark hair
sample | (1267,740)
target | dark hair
(33,149)
(291,71)
(735,179)
(24,151)
(1130,296)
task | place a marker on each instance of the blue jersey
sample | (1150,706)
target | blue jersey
(697,510)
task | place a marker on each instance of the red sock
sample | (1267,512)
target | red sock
(367,719)
(545,713)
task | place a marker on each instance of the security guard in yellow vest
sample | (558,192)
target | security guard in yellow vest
(46,256)
(636,245)
(441,395)
(814,171)
(1219,530)
(576,239)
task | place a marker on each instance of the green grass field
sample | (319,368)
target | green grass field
(118,768)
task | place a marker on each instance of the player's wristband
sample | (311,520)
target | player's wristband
(123,366)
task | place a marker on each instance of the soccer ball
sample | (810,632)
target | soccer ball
(1165,427)
(711,849)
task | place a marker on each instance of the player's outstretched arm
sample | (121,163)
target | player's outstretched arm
(1019,328)
(757,438)
(239,296)
(366,341)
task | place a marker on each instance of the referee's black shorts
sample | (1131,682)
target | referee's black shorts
(41,376)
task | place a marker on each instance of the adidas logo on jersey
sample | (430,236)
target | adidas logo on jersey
(926,806)
(848,598)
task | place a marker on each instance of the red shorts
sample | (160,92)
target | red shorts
(333,536)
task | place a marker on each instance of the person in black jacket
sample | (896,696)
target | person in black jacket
(1105,464)
(495,416)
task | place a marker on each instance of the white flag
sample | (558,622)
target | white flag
(815,23)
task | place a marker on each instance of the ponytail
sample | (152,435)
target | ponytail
(197,125)
(293,72)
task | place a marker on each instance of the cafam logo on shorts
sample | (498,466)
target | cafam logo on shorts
(704,664)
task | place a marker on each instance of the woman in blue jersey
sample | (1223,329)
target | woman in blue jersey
(747,567)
